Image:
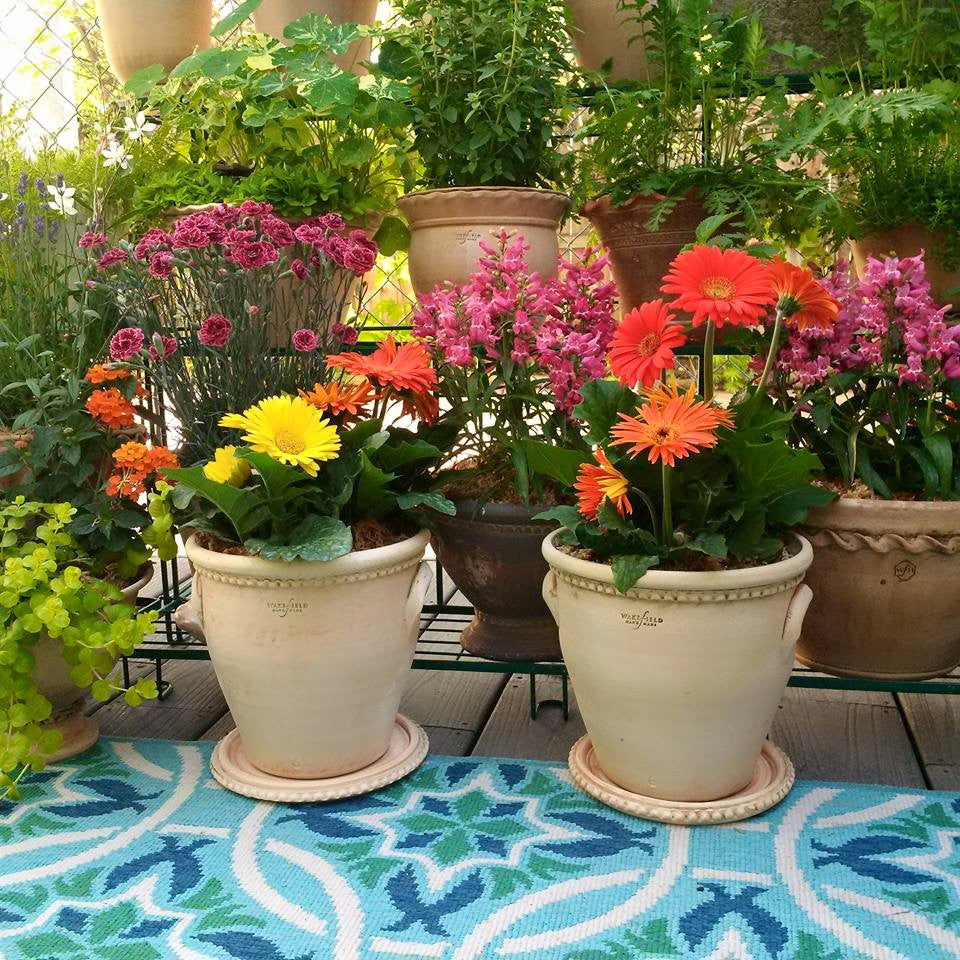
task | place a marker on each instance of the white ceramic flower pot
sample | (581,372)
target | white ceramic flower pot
(140,33)
(679,679)
(312,658)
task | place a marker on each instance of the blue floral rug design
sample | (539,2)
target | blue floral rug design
(133,852)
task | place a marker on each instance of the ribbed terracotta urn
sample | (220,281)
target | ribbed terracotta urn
(885,579)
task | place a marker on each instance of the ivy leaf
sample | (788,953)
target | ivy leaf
(315,538)
(628,569)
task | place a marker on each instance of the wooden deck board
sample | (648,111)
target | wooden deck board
(934,721)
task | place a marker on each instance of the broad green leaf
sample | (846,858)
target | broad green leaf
(558,463)
(277,477)
(627,570)
(712,544)
(566,515)
(238,506)
(603,402)
(426,498)
(941,453)
(235,17)
(214,64)
(144,80)
(371,486)
(391,457)
(392,236)
(316,539)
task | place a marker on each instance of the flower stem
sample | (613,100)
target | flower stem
(772,353)
(708,339)
(667,531)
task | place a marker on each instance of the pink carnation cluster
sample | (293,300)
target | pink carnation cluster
(887,319)
(560,326)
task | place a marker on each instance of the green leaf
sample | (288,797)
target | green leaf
(371,486)
(435,501)
(941,453)
(558,463)
(931,477)
(603,402)
(234,18)
(708,227)
(144,80)
(215,63)
(277,477)
(627,570)
(712,544)
(242,507)
(317,539)
(392,236)
(567,516)
(391,457)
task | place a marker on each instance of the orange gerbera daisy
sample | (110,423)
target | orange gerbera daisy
(664,393)
(335,398)
(403,367)
(804,302)
(99,373)
(643,344)
(110,407)
(725,286)
(670,430)
(599,482)
(422,406)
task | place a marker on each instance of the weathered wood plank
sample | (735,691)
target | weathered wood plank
(934,720)
(510,731)
(846,735)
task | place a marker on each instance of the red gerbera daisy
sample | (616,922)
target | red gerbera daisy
(725,286)
(603,481)
(643,344)
(404,367)
(804,302)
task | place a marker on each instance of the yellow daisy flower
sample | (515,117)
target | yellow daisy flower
(288,429)
(227,467)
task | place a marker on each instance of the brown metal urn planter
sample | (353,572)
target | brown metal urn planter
(493,554)
(886,602)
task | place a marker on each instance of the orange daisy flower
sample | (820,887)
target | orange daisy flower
(725,286)
(404,367)
(335,398)
(599,482)
(99,373)
(804,302)
(110,407)
(671,430)
(643,344)
(422,406)
(664,393)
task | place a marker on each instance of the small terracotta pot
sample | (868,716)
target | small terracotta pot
(446,227)
(668,717)
(272,16)
(639,258)
(907,241)
(51,673)
(492,553)
(19,439)
(884,576)
(140,33)
(312,658)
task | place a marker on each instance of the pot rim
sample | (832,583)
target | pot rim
(762,576)
(415,195)
(604,201)
(356,562)
(887,516)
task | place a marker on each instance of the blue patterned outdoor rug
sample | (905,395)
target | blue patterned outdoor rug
(133,852)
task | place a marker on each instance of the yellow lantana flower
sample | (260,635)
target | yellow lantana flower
(288,429)
(227,467)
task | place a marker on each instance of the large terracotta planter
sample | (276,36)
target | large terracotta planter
(638,257)
(446,227)
(141,33)
(885,579)
(602,32)
(492,553)
(678,680)
(907,241)
(272,16)
(51,673)
(312,658)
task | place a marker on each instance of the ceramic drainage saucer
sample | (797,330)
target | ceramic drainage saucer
(231,768)
(772,779)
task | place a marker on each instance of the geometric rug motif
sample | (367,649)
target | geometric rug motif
(133,852)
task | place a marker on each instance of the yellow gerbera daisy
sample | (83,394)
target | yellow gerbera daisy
(227,467)
(288,429)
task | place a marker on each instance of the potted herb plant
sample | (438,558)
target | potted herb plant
(309,569)
(512,350)
(691,143)
(878,394)
(677,579)
(490,86)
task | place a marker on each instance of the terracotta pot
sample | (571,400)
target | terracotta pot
(272,16)
(884,576)
(51,673)
(907,241)
(312,658)
(639,258)
(679,679)
(141,33)
(602,32)
(446,227)
(19,439)
(492,553)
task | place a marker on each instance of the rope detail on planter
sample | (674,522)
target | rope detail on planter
(854,540)
(681,596)
(280,584)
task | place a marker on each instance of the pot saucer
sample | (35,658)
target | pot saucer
(772,779)
(233,770)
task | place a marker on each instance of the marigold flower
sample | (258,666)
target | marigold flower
(335,398)
(725,286)
(100,373)
(404,367)
(288,429)
(601,481)
(227,467)
(110,407)
(643,344)
(803,301)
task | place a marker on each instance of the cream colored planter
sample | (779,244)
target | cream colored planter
(678,680)
(140,33)
(51,673)
(312,657)
(272,16)
(446,227)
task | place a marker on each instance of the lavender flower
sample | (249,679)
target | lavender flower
(22,182)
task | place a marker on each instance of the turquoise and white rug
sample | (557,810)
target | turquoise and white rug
(132,852)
